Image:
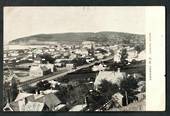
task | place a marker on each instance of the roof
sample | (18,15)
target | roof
(38,67)
(98,67)
(60,106)
(50,91)
(52,100)
(78,107)
(9,77)
(44,68)
(118,95)
(22,96)
(35,101)
(14,106)
(142,55)
(111,76)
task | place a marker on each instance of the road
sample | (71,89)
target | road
(55,76)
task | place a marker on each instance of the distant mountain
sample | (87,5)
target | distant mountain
(101,37)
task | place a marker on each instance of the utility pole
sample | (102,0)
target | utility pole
(126,97)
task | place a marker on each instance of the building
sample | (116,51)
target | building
(99,56)
(132,54)
(141,55)
(88,44)
(83,52)
(33,102)
(118,99)
(140,96)
(99,67)
(72,56)
(117,57)
(110,76)
(50,66)
(69,66)
(39,71)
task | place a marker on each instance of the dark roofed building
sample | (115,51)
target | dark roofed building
(40,102)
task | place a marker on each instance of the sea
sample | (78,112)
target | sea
(18,47)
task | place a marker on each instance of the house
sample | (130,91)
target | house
(115,47)
(54,83)
(141,55)
(132,54)
(72,56)
(110,76)
(83,52)
(50,66)
(66,54)
(33,102)
(141,86)
(140,96)
(14,54)
(138,76)
(118,99)
(69,66)
(58,64)
(99,56)
(90,60)
(99,67)
(37,60)
(38,70)
(88,44)
(117,57)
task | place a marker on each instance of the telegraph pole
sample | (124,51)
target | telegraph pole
(126,97)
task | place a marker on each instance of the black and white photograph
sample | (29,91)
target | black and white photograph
(75,59)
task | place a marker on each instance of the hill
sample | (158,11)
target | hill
(106,37)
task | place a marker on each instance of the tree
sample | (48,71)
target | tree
(123,57)
(128,84)
(139,48)
(43,85)
(47,57)
(79,61)
(108,89)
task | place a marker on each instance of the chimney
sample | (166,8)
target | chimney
(41,92)
(36,92)
(118,69)
(20,89)
(26,101)
(134,75)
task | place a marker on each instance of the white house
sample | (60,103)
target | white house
(132,54)
(141,55)
(99,55)
(69,66)
(88,44)
(117,58)
(110,76)
(99,67)
(82,51)
(38,71)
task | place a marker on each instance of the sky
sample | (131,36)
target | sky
(26,21)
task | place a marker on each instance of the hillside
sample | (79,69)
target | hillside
(107,37)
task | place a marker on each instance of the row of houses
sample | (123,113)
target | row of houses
(36,102)
(132,55)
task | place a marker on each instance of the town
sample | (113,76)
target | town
(89,76)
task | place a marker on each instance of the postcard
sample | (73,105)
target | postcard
(84,58)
